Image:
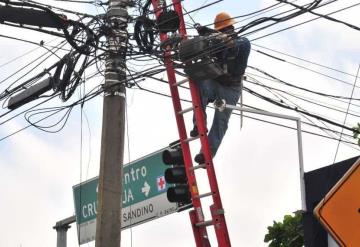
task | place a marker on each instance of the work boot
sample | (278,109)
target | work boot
(194,132)
(199,158)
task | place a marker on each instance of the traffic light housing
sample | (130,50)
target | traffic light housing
(176,175)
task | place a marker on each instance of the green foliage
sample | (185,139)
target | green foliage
(356,132)
(288,233)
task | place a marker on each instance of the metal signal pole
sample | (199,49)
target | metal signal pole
(108,225)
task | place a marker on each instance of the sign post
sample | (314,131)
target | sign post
(144,197)
(339,211)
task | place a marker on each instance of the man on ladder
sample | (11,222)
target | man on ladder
(232,58)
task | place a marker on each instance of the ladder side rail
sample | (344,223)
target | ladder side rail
(216,209)
(200,119)
(183,136)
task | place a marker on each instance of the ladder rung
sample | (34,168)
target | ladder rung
(181,82)
(192,138)
(186,110)
(205,223)
(204,195)
(198,167)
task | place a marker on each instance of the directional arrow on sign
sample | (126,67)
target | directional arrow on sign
(145,189)
(339,211)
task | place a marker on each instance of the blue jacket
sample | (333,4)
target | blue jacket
(236,58)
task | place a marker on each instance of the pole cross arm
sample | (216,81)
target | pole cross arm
(61,228)
(65,223)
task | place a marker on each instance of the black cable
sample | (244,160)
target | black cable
(18,57)
(352,93)
(297,110)
(30,42)
(24,111)
(304,67)
(58,8)
(320,15)
(298,87)
(64,118)
(254,118)
(313,125)
(302,59)
(302,97)
(301,23)
(252,14)
(296,106)
(262,20)
(8,92)
(63,24)
(76,1)
(187,13)
(288,17)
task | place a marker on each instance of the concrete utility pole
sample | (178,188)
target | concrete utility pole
(108,226)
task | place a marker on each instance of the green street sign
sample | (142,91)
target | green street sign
(144,196)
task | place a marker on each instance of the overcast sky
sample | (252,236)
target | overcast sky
(257,166)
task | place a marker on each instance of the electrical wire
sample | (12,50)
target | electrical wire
(305,68)
(254,118)
(302,59)
(305,22)
(249,74)
(315,5)
(281,97)
(58,8)
(320,15)
(296,109)
(346,115)
(301,98)
(161,80)
(298,87)
(30,42)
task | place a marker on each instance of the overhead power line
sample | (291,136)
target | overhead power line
(257,119)
(304,22)
(303,59)
(320,15)
(346,115)
(298,87)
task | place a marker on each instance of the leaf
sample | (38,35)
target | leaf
(288,233)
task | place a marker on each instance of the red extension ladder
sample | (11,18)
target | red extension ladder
(199,224)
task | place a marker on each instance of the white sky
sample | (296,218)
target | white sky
(257,167)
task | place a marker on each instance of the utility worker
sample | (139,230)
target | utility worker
(233,59)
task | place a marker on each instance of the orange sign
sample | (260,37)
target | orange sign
(339,211)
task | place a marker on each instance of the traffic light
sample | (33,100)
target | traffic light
(176,175)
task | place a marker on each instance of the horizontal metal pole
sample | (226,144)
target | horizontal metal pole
(245,109)
(181,82)
(186,110)
(204,195)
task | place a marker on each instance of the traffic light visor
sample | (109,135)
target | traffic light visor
(172,156)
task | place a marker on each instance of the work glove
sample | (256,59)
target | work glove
(203,31)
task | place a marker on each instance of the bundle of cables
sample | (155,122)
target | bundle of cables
(37,15)
(66,79)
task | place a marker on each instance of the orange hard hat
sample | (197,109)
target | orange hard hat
(223,20)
